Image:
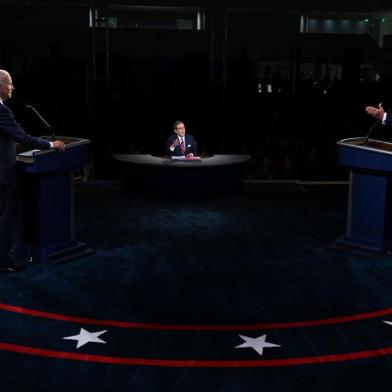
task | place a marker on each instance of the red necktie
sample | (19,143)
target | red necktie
(182,145)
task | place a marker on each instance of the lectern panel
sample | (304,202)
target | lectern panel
(46,182)
(369,205)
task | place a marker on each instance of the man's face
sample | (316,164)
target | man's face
(6,88)
(180,129)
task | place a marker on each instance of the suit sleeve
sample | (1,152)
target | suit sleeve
(9,126)
(169,142)
(388,120)
(194,147)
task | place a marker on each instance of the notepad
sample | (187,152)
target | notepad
(184,158)
(29,153)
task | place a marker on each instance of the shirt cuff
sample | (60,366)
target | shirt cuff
(51,144)
(384,119)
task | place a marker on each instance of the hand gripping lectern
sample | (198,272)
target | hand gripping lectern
(369,229)
(46,190)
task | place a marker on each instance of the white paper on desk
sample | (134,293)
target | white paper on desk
(29,153)
(178,158)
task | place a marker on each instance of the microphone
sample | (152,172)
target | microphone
(42,120)
(370,131)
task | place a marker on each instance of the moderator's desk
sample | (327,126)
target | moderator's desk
(152,174)
(369,215)
(46,189)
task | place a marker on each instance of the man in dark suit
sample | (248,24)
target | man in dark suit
(11,132)
(180,143)
(380,114)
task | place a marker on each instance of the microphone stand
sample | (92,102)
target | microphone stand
(370,131)
(43,120)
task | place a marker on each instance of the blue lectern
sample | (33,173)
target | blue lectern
(46,189)
(369,221)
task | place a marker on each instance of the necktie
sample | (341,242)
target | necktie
(182,145)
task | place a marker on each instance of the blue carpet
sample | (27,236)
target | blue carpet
(253,262)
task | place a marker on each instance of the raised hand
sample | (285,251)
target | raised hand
(175,143)
(376,112)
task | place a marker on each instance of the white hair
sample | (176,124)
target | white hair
(3,76)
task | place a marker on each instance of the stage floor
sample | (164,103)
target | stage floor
(176,286)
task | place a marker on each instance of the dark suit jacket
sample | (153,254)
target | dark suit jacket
(190,145)
(388,120)
(11,132)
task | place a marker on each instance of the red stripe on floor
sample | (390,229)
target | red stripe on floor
(177,327)
(196,363)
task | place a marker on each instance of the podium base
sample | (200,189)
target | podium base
(58,253)
(346,244)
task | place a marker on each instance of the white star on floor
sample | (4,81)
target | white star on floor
(85,337)
(258,344)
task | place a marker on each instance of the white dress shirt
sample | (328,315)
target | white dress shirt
(180,138)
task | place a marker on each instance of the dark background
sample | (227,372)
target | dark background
(215,79)
(257,256)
